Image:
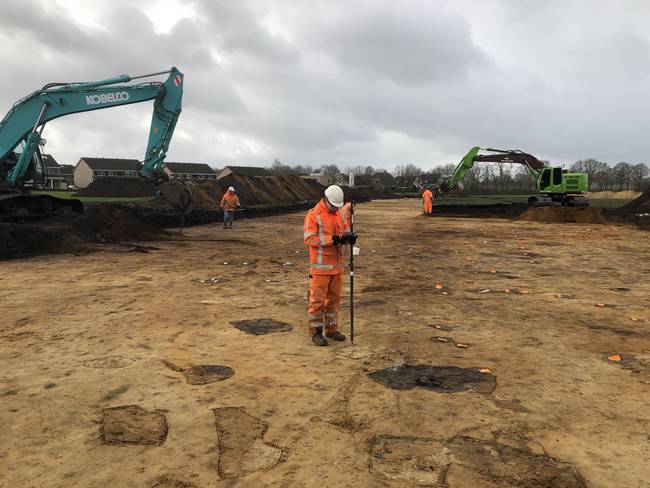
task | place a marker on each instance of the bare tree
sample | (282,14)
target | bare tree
(639,173)
(409,172)
(331,171)
(622,173)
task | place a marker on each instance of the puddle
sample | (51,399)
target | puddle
(465,461)
(242,449)
(620,289)
(445,379)
(109,362)
(131,424)
(202,374)
(261,326)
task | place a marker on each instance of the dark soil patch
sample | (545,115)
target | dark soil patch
(620,289)
(131,424)
(505,465)
(444,379)
(242,449)
(208,373)
(465,461)
(203,374)
(261,326)
(498,210)
(167,482)
(369,289)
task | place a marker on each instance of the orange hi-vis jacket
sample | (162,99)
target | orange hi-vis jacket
(346,216)
(321,226)
(427,196)
(230,201)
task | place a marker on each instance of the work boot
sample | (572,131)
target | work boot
(336,336)
(318,338)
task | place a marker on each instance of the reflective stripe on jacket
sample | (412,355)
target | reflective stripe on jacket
(230,201)
(346,216)
(320,227)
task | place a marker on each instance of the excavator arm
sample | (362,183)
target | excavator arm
(24,123)
(533,164)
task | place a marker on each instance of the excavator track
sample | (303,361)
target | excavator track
(16,207)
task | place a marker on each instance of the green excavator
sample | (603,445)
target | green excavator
(21,159)
(556,186)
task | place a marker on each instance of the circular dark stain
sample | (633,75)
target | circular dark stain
(207,373)
(445,379)
(261,326)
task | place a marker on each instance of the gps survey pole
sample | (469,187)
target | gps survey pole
(352,276)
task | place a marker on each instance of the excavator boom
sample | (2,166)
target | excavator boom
(24,123)
(554,183)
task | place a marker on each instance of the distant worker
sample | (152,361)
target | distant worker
(325,234)
(427,201)
(229,204)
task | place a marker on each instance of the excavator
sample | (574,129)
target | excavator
(556,186)
(21,158)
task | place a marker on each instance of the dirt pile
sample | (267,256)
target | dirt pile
(641,204)
(580,215)
(76,233)
(116,223)
(118,187)
(256,191)
(613,195)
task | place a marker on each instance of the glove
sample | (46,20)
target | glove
(336,240)
(349,238)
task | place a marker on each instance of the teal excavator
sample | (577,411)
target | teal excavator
(21,158)
(556,186)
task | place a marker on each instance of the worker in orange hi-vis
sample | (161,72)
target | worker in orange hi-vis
(325,234)
(427,201)
(229,204)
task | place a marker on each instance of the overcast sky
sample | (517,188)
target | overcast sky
(379,82)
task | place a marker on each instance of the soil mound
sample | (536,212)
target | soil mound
(117,223)
(581,215)
(614,195)
(639,204)
(118,187)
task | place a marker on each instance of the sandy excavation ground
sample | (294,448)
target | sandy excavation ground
(122,368)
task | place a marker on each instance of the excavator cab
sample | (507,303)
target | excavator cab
(550,180)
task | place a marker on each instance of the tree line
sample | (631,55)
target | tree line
(492,177)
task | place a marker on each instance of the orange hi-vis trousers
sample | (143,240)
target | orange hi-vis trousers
(324,302)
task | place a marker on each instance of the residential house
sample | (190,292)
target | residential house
(380,179)
(244,171)
(384,179)
(67,173)
(53,178)
(427,179)
(88,169)
(190,171)
(319,177)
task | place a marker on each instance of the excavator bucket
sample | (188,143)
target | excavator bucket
(178,195)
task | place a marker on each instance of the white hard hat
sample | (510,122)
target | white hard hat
(334,195)
(232,189)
